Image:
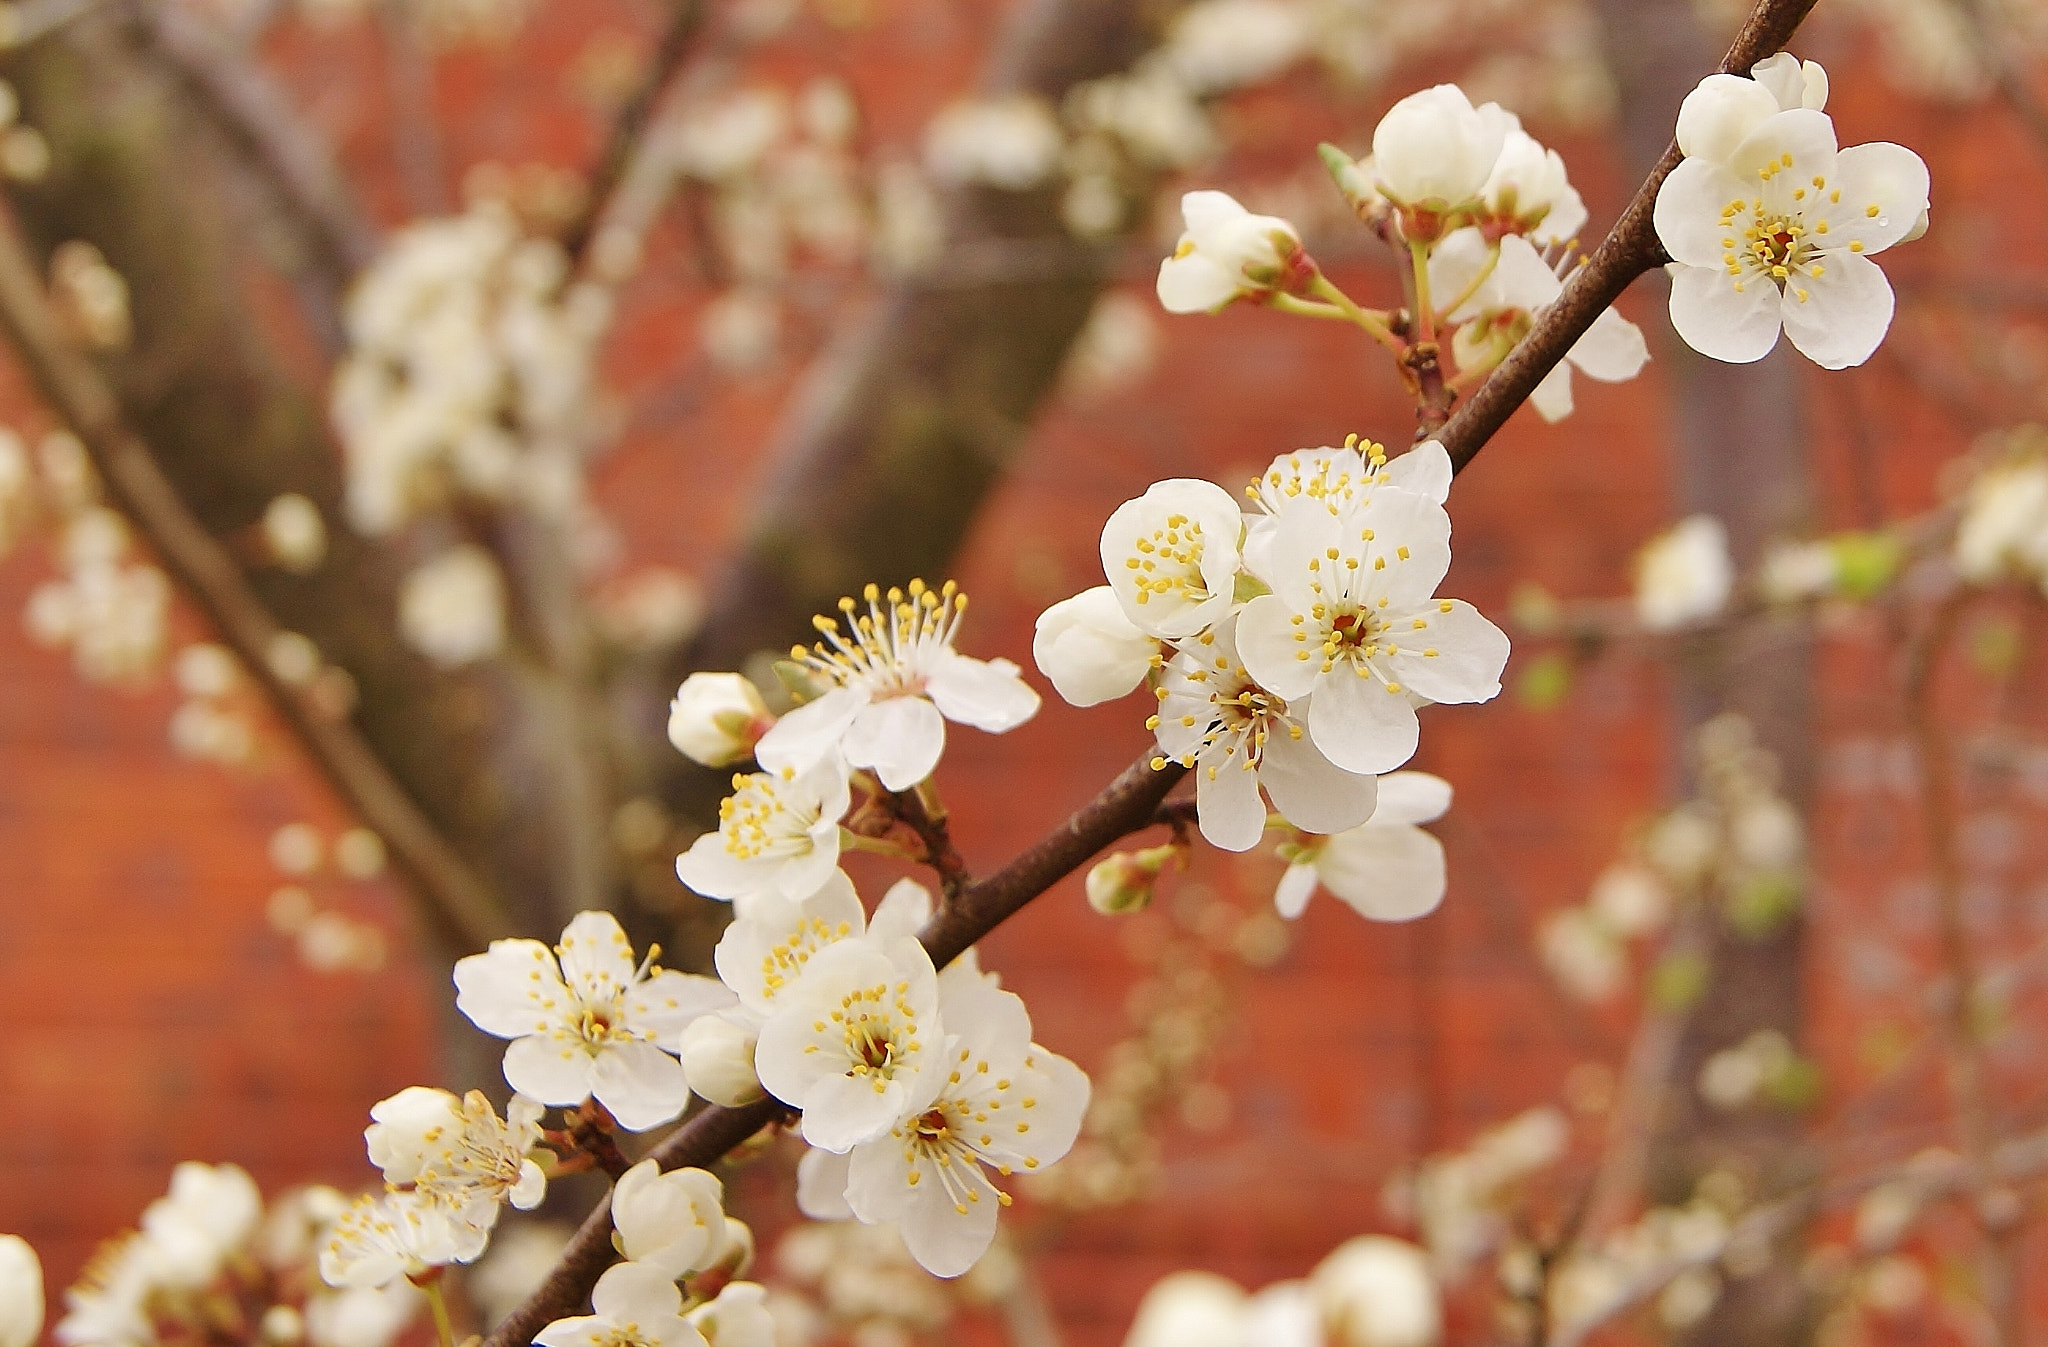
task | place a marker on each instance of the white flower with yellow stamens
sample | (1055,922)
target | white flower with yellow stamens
(380,1239)
(855,1043)
(1776,232)
(1237,736)
(894,681)
(1340,478)
(594,1024)
(458,1152)
(1171,556)
(1004,1103)
(778,832)
(1354,625)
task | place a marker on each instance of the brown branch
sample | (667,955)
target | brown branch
(1630,249)
(1126,805)
(455,899)
(257,117)
(630,125)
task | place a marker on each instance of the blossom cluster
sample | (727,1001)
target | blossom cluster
(1371,1291)
(211,1252)
(1288,644)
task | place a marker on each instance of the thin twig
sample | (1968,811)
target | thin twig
(1630,249)
(936,834)
(630,125)
(454,898)
(1124,806)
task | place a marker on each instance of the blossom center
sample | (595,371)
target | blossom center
(1168,561)
(758,820)
(889,649)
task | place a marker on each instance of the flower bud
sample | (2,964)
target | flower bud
(1435,150)
(670,1221)
(1123,882)
(717,718)
(737,1317)
(21,1293)
(406,1127)
(718,1058)
(1090,650)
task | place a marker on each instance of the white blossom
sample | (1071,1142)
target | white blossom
(1228,253)
(1684,575)
(591,1025)
(1090,650)
(1013,143)
(1375,1291)
(205,1219)
(1434,149)
(2004,522)
(717,1052)
(1172,557)
(1386,869)
(1504,304)
(778,832)
(717,718)
(21,1293)
(1777,232)
(856,1042)
(452,609)
(1719,115)
(764,951)
(674,1221)
(1353,624)
(1004,1103)
(381,1239)
(1218,45)
(1529,191)
(738,1316)
(1341,479)
(636,1306)
(1237,736)
(894,680)
(458,1151)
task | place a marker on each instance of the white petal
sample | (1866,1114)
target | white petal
(1227,803)
(664,1003)
(1523,280)
(1413,536)
(1265,642)
(821,1186)
(1612,349)
(597,961)
(628,1292)
(1310,791)
(1207,212)
(1196,283)
(1719,114)
(1890,177)
(1089,649)
(1688,212)
(1806,136)
(1424,471)
(640,1085)
(1412,797)
(840,1112)
(903,911)
(987,694)
(1454,264)
(497,989)
(1385,873)
(942,1239)
(1470,654)
(1359,725)
(1552,398)
(1297,886)
(1839,318)
(811,732)
(709,869)
(1716,319)
(901,738)
(549,1069)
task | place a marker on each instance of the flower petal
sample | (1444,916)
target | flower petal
(640,1085)
(1716,318)
(1358,724)
(1424,471)
(1889,177)
(1297,886)
(664,1003)
(821,1186)
(811,732)
(990,695)
(1719,115)
(1385,873)
(597,959)
(1227,803)
(1412,797)
(1266,633)
(552,1070)
(1612,349)
(901,738)
(1839,318)
(1552,398)
(1310,791)
(1688,212)
(1196,283)
(499,990)
(1458,657)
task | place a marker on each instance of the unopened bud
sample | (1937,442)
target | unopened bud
(718,1059)
(1123,882)
(717,718)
